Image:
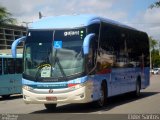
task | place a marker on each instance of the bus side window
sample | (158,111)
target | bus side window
(11,66)
(94,28)
(5,65)
(106,56)
(18,65)
(0,66)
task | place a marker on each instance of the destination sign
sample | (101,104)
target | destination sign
(71,33)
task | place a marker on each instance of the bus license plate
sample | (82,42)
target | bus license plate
(51,98)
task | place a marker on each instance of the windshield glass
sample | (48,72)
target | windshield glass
(54,54)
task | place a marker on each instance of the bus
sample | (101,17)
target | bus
(10,75)
(82,59)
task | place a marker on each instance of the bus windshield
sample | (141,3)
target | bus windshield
(54,55)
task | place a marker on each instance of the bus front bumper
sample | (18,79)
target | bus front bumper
(81,95)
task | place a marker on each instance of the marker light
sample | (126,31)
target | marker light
(28,88)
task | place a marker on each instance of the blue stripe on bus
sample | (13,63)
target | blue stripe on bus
(50,85)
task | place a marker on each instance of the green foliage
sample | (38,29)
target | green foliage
(5,17)
(155,56)
(153,43)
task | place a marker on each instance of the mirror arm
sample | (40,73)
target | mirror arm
(14,46)
(86,42)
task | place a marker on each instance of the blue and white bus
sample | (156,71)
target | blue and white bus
(10,75)
(82,59)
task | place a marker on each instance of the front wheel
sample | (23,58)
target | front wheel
(103,96)
(138,88)
(50,106)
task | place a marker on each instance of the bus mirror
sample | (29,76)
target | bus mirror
(86,42)
(14,45)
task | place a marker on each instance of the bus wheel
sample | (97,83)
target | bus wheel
(103,96)
(138,88)
(5,96)
(50,106)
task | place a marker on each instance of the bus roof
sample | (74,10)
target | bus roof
(9,55)
(72,21)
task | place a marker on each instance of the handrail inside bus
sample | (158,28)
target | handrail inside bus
(14,46)
(86,42)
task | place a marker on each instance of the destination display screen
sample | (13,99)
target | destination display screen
(72,36)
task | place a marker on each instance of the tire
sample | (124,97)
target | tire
(103,99)
(50,106)
(5,96)
(138,88)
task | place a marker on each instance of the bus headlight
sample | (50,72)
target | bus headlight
(79,85)
(28,88)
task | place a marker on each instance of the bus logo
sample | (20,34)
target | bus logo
(71,33)
(50,91)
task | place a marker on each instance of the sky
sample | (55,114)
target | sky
(135,13)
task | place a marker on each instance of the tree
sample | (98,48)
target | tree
(155,4)
(155,58)
(153,43)
(5,17)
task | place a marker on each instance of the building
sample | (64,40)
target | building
(9,33)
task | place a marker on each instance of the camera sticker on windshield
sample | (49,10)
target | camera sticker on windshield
(57,44)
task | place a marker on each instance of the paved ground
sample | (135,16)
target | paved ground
(148,102)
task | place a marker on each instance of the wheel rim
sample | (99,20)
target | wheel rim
(101,101)
(138,89)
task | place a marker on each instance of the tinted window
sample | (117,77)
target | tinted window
(18,65)
(60,50)
(138,49)
(10,66)
(120,47)
(112,46)
(116,46)
(0,66)
(5,66)
(93,28)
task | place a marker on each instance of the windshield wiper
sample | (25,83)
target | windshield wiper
(55,61)
(60,66)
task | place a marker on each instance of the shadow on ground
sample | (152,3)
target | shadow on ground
(12,97)
(87,108)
